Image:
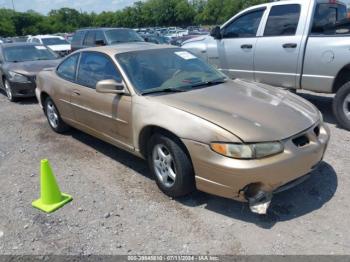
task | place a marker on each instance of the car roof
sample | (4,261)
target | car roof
(127,47)
(101,28)
(47,36)
(20,44)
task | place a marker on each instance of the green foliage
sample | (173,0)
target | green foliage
(141,14)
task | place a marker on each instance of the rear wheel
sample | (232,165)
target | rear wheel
(53,117)
(341,106)
(171,166)
(9,91)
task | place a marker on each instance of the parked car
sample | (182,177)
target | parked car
(297,44)
(19,65)
(155,39)
(195,127)
(56,43)
(91,37)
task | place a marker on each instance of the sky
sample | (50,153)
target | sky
(44,6)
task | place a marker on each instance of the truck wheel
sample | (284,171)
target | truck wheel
(341,106)
(171,166)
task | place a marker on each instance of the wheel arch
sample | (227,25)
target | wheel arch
(342,77)
(148,131)
(43,97)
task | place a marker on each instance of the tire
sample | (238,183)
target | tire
(9,92)
(174,161)
(341,106)
(53,117)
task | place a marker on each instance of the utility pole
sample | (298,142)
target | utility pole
(13,5)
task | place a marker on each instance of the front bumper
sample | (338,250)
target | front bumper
(23,89)
(227,177)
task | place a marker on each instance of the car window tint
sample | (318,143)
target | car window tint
(328,17)
(78,38)
(67,68)
(245,26)
(90,39)
(283,20)
(95,67)
(115,36)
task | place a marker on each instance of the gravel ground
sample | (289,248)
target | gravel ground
(118,209)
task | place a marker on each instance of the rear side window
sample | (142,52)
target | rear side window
(94,67)
(328,19)
(78,38)
(283,20)
(244,26)
(68,67)
(99,36)
(90,39)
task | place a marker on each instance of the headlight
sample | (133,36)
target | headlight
(247,151)
(15,77)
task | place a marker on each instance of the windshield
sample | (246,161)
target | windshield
(28,53)
(170,69)
(54,41)
(122,36)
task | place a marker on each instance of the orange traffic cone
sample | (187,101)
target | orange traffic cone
(51,197)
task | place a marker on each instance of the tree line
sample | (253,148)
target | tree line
(141,14)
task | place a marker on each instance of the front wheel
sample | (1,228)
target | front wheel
(341,106)
(53,117)
(171,166)
(9,92)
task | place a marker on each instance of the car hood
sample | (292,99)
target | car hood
(253,112)
(32,67)
(58,48)
(203,38)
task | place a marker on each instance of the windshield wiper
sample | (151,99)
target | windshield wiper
(209,83)
(163,90)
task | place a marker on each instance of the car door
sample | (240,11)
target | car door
(64,85)
(236,48)
(278,49)
(106,115)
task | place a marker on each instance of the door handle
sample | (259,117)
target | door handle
(290,45)
(247,46)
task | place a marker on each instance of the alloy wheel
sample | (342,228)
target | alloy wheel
(346,106)
(52,114)
(164,166)
(8,90)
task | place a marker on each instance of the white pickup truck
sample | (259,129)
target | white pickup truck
(295,44)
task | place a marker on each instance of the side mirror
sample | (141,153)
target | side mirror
(111,86)
(216,32)
(100,42)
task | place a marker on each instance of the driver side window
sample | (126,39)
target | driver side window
(94,67)
(244,26)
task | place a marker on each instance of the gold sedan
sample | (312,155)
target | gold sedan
(195,127)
